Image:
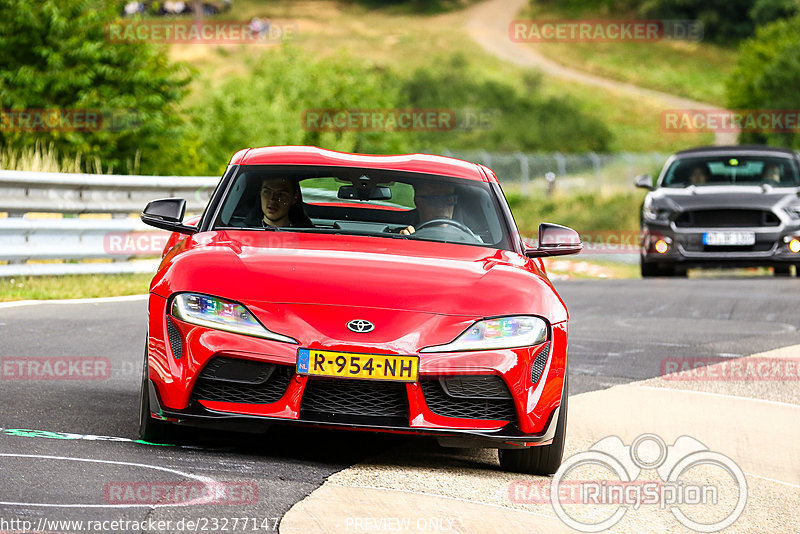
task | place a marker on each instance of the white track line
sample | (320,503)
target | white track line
(206,481)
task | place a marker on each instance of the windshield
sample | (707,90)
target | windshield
(357,201)
(732,170)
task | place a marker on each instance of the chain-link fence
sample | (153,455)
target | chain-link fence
(543,173)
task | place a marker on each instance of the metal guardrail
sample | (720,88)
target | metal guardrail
(24,192)
(115,244)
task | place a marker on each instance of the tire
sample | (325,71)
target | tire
(650,270)
(544,460)
(783,270)
(153,430)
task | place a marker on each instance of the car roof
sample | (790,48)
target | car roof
(737,149)
(310,155)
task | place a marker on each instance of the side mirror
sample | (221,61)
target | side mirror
(645,181)
(556,240)
(167,214)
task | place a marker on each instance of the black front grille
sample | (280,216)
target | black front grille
(234,380)
(340,399)
(537,367)
(489,397)
(175,341)
(726,218)
(475,386)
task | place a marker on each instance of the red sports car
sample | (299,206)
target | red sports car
(386,293)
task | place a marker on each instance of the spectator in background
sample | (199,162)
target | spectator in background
(132,8)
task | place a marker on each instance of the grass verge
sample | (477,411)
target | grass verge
(403,42)
(691,69)
(73,286)
(575,268)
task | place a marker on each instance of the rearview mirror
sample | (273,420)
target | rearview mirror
(555,240)
(376,193)
(167,214)
(645,181)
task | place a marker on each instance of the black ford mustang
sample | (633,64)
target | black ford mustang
(734,206)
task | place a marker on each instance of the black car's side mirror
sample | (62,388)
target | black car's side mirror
(555,240)
(167,214)
(645,181)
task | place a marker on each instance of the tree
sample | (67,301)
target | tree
(767,77)
(55,55)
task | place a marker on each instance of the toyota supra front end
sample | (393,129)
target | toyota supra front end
(381,293)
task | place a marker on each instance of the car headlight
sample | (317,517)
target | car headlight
(499,333)
(793,211)
(221,314)
(653,213)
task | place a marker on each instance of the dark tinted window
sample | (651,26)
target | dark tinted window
(353,201)
(732,170)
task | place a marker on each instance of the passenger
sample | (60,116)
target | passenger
(771,174)
(281,205)
(699,175)
(433,201)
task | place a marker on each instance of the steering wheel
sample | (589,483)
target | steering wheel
(464,228)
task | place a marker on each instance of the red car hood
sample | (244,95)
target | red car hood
(360,272)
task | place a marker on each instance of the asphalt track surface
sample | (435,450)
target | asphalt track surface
(620,331)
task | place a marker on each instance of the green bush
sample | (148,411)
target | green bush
(266,107)
(583,212)
(766,75)
(517,119)
(54,55)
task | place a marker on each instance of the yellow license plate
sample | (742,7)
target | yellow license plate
(352,365)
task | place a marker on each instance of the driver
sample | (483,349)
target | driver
(280,204)
(433,201)
(771,174)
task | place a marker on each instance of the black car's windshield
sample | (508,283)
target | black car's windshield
(353,201)
(732,170)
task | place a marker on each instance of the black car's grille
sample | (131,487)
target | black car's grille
(726,218)
(234,380)
(537,367)
(343,399)
(488,397)
(175,341)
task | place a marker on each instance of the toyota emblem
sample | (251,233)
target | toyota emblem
(361,326)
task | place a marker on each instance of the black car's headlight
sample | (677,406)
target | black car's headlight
(651,212)
(793,210)
(221,314)
(498,333)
